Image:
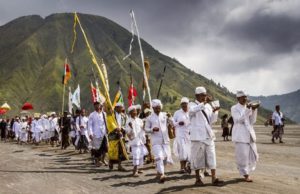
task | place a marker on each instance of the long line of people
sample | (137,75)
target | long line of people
(146,132)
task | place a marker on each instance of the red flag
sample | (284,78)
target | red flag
(94,93)
(132,94)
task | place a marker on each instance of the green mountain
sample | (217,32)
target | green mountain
(33,50)
(288,103)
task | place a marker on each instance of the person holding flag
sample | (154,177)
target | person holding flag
(119,133)
(116,147)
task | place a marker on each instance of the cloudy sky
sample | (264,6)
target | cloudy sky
(252,45)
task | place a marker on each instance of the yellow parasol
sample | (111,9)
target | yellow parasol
(5,106)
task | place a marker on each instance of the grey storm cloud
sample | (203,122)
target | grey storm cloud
(274,33)
(230,41)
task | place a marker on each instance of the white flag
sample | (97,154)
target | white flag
(76,97)
(100,98)
(70,101)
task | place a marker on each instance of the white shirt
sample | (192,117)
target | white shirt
(24,126)
(53,124)
(181,131)
(200,128)
(121,119)
(244,119)
(136,131)
(82,121)
(96,124)
(17,127)
(277,118)
(34,125)
(38,127)
(160,121)
(45,124)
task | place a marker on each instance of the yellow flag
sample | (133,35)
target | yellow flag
(113,151)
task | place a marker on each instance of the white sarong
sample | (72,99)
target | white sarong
(203,155)
(182,148)
(246,157)
(96,143)
(138,152)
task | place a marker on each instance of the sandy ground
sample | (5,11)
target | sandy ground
(43,169)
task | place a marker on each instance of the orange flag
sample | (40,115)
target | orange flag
(67,73)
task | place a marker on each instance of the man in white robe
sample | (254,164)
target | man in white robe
(156,124)
(182,141)
(137,139)
(82,129)
(17,128)
(97,131)
(243,135)
(36,129)
(53,134)
(45,124)
(24,131)
(203,154)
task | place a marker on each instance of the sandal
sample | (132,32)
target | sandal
(162,179)
(248,180)
(206,174)
(188,169)
(121,169)
(199,183)
(217,182)
(111,166)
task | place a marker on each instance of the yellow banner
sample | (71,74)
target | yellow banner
(111,121)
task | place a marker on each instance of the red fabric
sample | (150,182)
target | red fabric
(94,93)
(2,111)
(132,94)
(67,74)
(27,106)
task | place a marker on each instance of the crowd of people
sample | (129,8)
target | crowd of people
(145,133)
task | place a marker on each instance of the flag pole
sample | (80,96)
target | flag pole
(142,55)
(63,104)
(161,81)
(63,100)
(131,85)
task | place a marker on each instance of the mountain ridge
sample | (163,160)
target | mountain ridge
(288,102)
(32,64)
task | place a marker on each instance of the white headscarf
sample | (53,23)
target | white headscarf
(156,103)
(184,100)
(240,93)
(132,107)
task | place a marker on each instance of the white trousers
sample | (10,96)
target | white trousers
(162,152)
(37,136)
(23,136)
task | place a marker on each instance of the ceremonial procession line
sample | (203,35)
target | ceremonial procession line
(145,133)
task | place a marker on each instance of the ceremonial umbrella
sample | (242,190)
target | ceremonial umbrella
(5,106)
(2,111)
(27,106)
